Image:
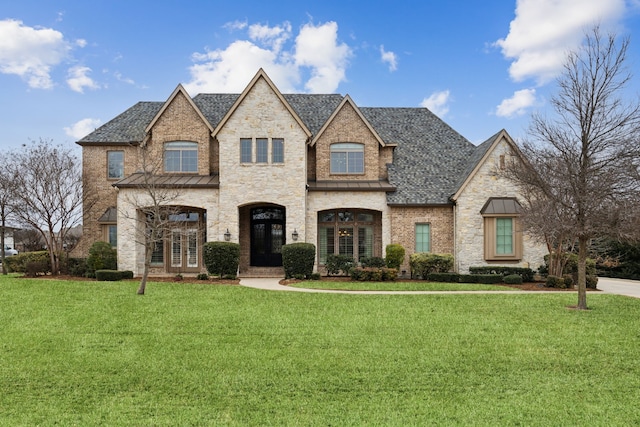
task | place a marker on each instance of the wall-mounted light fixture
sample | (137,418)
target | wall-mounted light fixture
(227,236)
(294,235)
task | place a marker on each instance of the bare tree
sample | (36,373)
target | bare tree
(6,198)
(580,172)
(154,209)
(48,193)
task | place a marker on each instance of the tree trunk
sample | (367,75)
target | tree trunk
(147,265)
(2,254)
(582,273)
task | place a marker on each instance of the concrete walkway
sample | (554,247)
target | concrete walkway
(612,286)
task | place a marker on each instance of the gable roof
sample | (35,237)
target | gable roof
(178,91)
(261,75)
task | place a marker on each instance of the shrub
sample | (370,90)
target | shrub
(108,275)
(555,282)
(77,267)
(444,277)
(315,276)
(486,279)
(373,274)
(373,261)
(592,282)
(568,280)
(126,274)
(571,269)
(36,268)
(202,276)
(337,263)
(222,258)
(18,263)
(422,264)
(525,273)
(512,279)
(101,257)
(394,255)
(298,259)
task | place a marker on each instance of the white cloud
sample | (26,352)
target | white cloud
(390,58)
(31,52)
(82,128)
(517,105)
(78,79)
(544,30)
(315,49)
(438,103)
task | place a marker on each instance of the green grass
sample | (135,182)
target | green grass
(397,286)
(94,353)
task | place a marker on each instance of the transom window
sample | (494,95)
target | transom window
(115,164)
(346,232)
(267,150)
(347,158)
(181,156)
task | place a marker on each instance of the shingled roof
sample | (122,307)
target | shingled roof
(429,163)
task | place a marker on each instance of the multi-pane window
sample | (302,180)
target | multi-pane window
(181,156)
(504,236)
(115,164)
(262,150)
(347,158)
(112,230)
(423,238)
(245,150)
(277,150)
(346,232)
(267,150)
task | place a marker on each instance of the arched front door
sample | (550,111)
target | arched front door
(267,236)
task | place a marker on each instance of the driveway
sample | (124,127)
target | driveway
(630,288)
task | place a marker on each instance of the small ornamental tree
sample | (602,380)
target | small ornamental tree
(395,256)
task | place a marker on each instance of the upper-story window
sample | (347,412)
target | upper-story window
(115,164)
(181,156)
(277,150)
(262,150)
(267,150)
(347,158)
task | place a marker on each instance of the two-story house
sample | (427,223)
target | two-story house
(263,169)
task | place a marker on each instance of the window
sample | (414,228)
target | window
(181,156)
(423,237)
(347,232)
(157,256)
(262,150)
(115,164)
(277,150)
(245,150)
(502,237)
(112,230)
(347,158)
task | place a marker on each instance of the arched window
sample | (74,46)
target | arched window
(181,156)
(347,158)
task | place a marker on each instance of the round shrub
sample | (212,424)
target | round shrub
(298,259)
(395,255)
(512,279)
(101,257)
(222,258)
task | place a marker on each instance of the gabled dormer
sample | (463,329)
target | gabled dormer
(179,137)
(347,147)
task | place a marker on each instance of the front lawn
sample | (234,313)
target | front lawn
(95,353)
(418,285)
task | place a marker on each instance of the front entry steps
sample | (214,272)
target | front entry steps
(263,272)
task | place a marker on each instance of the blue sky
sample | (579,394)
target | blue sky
(66,67)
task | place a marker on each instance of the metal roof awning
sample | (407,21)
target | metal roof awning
(109,216)
(501,206)
(139,180)
(351,186)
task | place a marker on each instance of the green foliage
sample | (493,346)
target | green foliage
(18,263)
(222,258)
(444,277)
(315,276)
(571,269)
(373,261)
(555,282)
(298,259)
(101,257)
(77,267)
(202,276)
(108,275)
(619,259)
(481,278)
(423,263)
(394,255)
(525,273)
(373,274)
(512,279)
(337,263)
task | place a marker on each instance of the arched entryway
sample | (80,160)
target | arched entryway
(267,225)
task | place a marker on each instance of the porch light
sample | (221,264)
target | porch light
(294,235)
(227,236)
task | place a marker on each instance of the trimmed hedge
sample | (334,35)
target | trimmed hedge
(423,263)
(222,258)
(486,279)
(373,261)
(18,263)
(298,259)
(374,274)
(525,273)
(513,279)
(394,255)
(337,263)
(444,277)
(113,275)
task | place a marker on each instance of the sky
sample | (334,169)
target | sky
(68,66)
